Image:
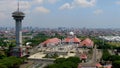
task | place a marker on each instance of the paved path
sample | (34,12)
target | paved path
(27,65)
(97,54)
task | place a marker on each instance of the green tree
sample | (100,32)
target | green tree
(3,66)
(116,64)
(2,54)
(73,59)
(114,58)
(11,62)
(105,55)
(71,62)
(60,60)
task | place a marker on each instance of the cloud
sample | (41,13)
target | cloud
(37,1)
(65,6)
(25,5)
(118,2)
(45,1)
(79,3)
(2,16)
(98,11)
(52,1)
(42,9)
(40,1)
(8,5)
(84,3)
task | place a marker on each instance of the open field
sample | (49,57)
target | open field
(114,43)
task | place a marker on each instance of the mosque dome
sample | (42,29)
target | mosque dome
(71,33)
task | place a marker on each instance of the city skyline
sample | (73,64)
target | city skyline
(63,13)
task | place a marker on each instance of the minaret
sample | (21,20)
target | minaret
(18,17)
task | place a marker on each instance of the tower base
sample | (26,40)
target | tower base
(19,51)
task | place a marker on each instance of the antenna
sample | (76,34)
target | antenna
(18,6)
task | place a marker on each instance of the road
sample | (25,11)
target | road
(97,54)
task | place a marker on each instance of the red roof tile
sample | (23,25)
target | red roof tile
(75,39)
(87,42)
(53,40)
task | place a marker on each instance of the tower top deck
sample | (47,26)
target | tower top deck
(18,13)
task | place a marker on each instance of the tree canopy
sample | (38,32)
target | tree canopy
(71,62)
(10,62)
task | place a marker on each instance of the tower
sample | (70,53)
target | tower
(18,16)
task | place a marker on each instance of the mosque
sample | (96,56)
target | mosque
(68,47)
(71,39)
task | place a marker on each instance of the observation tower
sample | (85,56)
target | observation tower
(18,16)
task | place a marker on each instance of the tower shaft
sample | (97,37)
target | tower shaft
(19,32)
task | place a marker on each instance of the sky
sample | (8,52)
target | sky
(63,13)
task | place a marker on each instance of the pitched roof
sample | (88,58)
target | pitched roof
(66,40)
(75,39)
(53,40)
(87,42)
